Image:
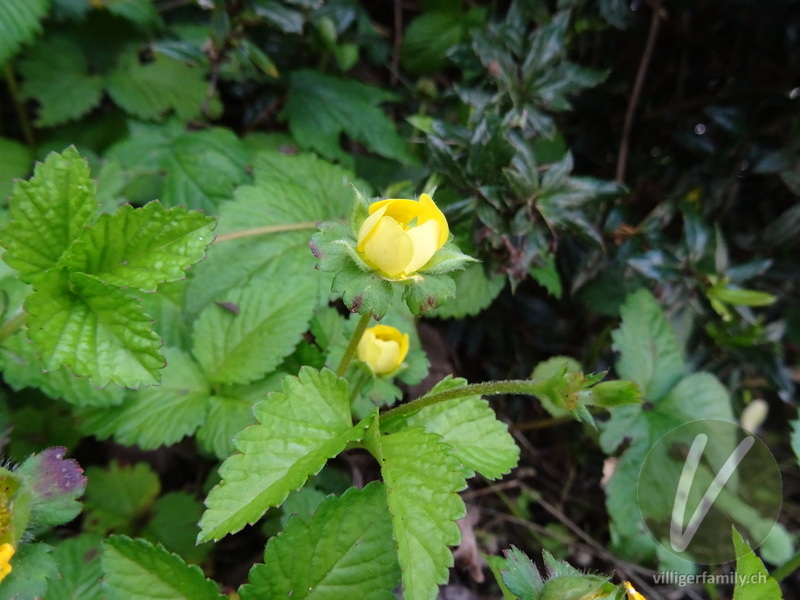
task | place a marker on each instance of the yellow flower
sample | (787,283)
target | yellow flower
(631,592)
(400,236)
(6,552)
(383,348)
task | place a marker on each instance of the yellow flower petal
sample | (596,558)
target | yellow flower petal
(368,226)
(6,553)
(388,247)
(631,592)
(425,239)
(430,212)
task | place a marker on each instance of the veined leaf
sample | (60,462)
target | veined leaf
(48,213)
(142,247)
(19,23)
(138,570)
(151,90)
(95,330)
(470,426)
(56,75)
(159,415)
(345,551)
(291,192)
(270,318)
(228,414)
(79,569)
(298,430)
(649,352)
(320,108)
(422,476)
(752,579)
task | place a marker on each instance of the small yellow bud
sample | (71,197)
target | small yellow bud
(6,553)
(400,236)
(383,348)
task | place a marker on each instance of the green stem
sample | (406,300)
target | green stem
(225,237)
(790,566)
(11,326)
(13,87)
(525,387)
(351,347)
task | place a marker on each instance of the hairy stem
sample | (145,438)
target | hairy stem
(351,347)
(235,235)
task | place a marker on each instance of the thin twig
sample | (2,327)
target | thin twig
(624,146)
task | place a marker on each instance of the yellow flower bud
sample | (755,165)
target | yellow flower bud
(631,592)
(383,348)
(400,236)
(6,552)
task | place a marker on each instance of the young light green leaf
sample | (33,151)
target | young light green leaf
(345,551)
(151,90)
(244,345)
(56,74)
(79,569)
(19,23)
(159,415)
(649,352)
(139,570)
(752,579)
(298,430)
(142,247)
(320,108)
(422,476)
(117,496)
(95,330)
(470,426)
(48,213)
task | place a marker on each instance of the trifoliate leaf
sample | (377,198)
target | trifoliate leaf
(117,496)
(48,213)
(649,352)
(196,169)
(270,318)
(142,247)
(19,23)
(422,476)
(56,74)
(34,567)
(320,108)
(139,570)
(17,162)
(470,426)
(345,551)
(151,90)
(54,485)
(159,415)
(298,430)
(95,330)
(79,569)
(752,579)
(290,194)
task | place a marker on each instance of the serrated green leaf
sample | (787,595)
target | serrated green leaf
(142,247)
(19,24)
(79,570)
(474,292)
(199,168)
(174,525)
(117,496)
(244,346)
(17,162)
(54,485)
(95,330)
(151,90)
(141,12)
(422,476)
(298,430)
(159,415)
(139,570)
(752,579)
(470,426)
(48,213)
(291,192)
(320,108)
(228,414)
(34,567)
(345,551)
(649,352)
(56,74)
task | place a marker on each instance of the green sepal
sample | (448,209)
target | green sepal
(363,292)
(615,393)
(571,587)
(15,507)
(447,259)
(426,292)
